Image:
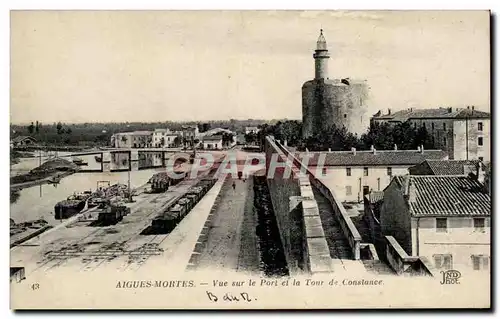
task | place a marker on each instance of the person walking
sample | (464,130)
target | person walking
(234,186)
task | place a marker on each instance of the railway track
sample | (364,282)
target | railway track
(126,240)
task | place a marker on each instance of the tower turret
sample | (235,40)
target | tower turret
(321,57)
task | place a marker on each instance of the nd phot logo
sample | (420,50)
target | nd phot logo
(451,277)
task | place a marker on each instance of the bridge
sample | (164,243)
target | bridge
(130,159)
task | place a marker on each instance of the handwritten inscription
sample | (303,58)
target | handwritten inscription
(229,297)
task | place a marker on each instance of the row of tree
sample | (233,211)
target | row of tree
(379,135)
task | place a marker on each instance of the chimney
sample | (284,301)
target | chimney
(480,173)
(472,107)
(395,147)
(422,149)
(389,111)
(468,107)
(353,150)
(450,109)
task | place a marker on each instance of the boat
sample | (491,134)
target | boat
(54,180)
(73,205)
(68,208)
(98,158)
(79,161)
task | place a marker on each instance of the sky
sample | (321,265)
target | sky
(117,66)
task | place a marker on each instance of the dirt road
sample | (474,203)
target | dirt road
(231,243)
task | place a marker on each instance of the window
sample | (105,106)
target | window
(479,224)
(348,190)
(444,141)
(480,141)
(441,225)
(423,124)
(389,171)
(444,126)
(348,171)
(365,171)
(345,116)
(443,261)
(480,126)
(432,126)
(480,262)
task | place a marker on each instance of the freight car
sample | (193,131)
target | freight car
(110,214)
(67,208)
(166,221)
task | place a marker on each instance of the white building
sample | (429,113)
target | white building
(353,174)
(166,138)
(136,139)
(463,132)
(251,129)
(213,142)
(445,219)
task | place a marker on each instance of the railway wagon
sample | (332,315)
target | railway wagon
(177,210)
(193,198)
(112,214)
(167,221)
(186,203)
(197,191)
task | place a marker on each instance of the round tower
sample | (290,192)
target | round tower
(327,102)
(321,57)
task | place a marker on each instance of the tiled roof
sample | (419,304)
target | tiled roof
(445,196)
(369,158)
(442,113)
(212,138)
(448,167)
(376,196)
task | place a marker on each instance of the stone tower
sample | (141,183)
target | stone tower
(326,101)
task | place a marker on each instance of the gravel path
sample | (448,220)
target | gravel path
(231,243)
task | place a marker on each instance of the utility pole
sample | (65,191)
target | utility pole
(129,193)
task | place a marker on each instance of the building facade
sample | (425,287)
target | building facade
(137,139)
(213,142)
(189,135)
(166,138)
(353,174)
(445,219)
(325,101)
(251,129)
(462,132)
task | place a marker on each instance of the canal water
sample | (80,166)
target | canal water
(39,201)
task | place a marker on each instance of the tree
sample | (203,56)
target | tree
(31,128)
(59,128)
(177,141)
(227,138)
(68,130)
(251,138)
